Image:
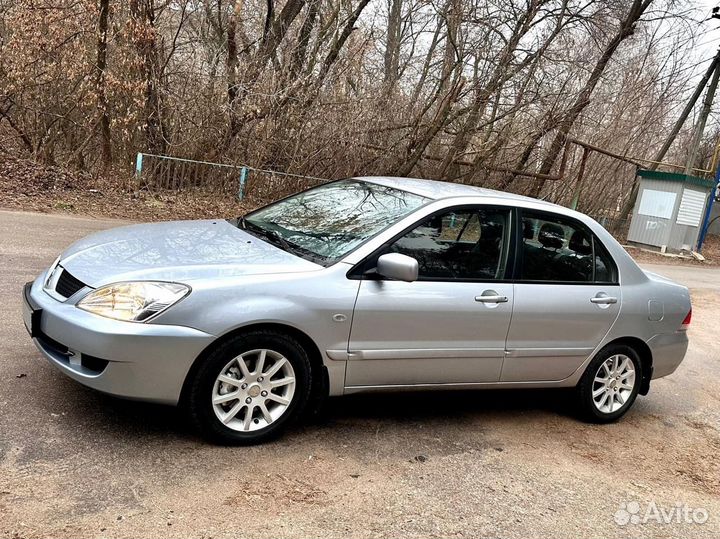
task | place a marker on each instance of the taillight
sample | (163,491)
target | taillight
(686,323)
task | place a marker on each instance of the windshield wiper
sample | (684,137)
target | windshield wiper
(273,235)
(276,238)
(282,241)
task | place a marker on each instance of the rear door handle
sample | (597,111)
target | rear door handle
(491,299)
(603,300)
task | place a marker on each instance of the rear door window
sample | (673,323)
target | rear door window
(558,249)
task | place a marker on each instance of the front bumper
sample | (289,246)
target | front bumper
(133,360)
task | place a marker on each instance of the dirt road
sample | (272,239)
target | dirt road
(74,463)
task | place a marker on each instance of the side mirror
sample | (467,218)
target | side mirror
(398,267)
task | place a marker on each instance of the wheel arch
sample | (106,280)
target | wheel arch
(646,359)
(320,379)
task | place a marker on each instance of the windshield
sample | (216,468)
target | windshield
(329,221)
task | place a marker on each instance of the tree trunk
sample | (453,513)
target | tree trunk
(417,147)
(232,66)
(483,91)
(274,31)
(505,70)
(448,90)
(392,44)
(429,57)
(339,43)
(627,28)
(535,138)
(142,13)
(103,106)
(25,139)
(300,53)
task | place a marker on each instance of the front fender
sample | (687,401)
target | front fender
(319,304)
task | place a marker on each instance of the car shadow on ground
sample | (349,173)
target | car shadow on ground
(132,419)
(431,405)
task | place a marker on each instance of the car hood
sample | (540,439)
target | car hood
(176,251)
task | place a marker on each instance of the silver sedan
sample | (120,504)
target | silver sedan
(365,284)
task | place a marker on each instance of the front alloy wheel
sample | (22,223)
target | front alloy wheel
(253,390)
(610,384)
(249,388)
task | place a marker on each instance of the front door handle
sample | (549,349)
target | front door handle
(603,300)
(490,296)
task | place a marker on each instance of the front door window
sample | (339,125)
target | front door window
(468,244)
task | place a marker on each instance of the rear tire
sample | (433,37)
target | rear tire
(250,388)
(610,384)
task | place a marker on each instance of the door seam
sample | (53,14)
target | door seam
(507,334)
(347,344)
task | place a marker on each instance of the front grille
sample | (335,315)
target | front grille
(67,285)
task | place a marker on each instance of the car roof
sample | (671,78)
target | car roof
(437,190)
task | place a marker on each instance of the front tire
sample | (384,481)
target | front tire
(610,384)
(250,388)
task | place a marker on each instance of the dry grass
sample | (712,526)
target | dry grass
(25,185)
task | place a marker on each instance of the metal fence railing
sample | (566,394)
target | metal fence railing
(162,172)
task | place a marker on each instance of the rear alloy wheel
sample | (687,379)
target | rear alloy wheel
(610,384)
(250,388)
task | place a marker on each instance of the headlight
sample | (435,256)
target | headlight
(134,302)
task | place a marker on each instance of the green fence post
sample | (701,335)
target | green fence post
(138,165)
(575,200)
(243,179)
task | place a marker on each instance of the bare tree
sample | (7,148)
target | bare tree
(625,30)
(478,91)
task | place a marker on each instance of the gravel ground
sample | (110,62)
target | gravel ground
(75,463)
